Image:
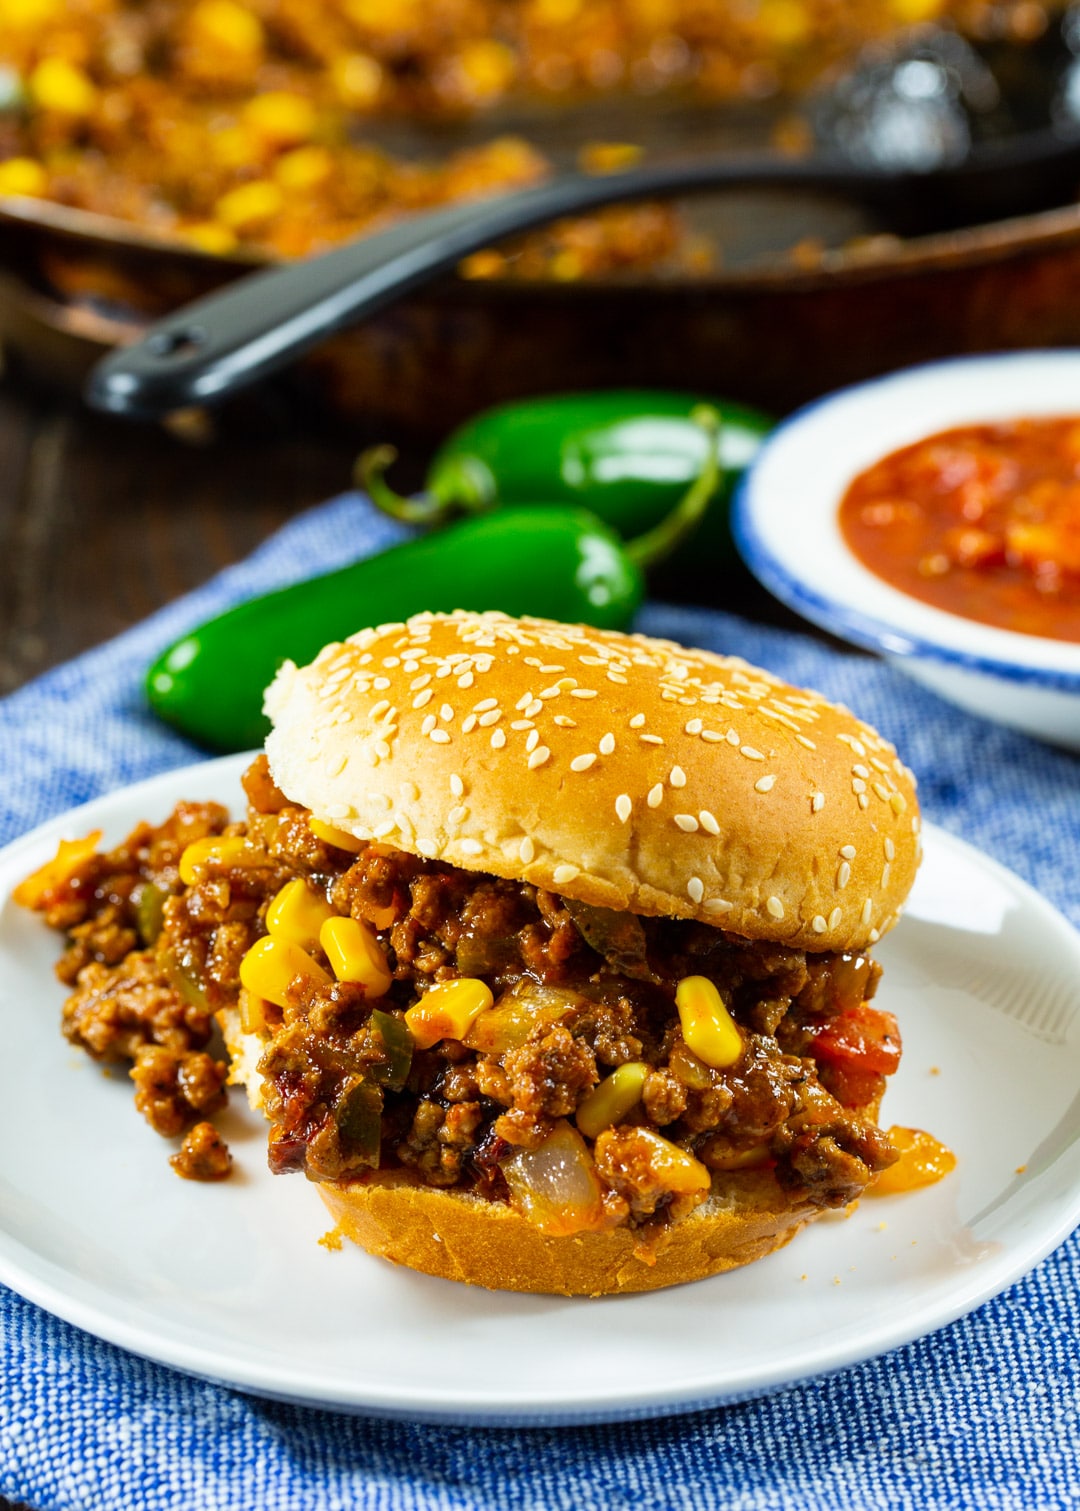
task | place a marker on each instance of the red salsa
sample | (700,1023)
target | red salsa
(982,521)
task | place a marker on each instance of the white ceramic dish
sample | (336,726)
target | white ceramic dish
(785,522)
(229,1281)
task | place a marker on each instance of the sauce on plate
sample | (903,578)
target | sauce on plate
(982,521)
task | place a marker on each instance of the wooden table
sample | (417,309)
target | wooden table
(102,522)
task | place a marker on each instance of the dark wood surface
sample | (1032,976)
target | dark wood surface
(101,521)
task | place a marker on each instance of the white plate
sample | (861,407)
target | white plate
(229,1281)
(786,523)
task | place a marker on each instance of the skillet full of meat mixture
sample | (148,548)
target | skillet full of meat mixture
(351,1083)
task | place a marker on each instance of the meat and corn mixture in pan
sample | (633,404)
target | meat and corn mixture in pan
(246,123)
(418,1015)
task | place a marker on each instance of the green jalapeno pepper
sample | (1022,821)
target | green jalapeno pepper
(626,455)
(555,562)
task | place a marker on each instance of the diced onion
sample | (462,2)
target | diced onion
(555,1186)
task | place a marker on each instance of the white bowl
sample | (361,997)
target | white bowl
(787,529)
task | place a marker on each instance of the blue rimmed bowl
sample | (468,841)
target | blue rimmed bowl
(786,524)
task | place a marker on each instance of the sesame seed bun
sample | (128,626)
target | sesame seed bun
(623,771)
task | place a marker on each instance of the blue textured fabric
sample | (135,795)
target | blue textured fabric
(985,1414)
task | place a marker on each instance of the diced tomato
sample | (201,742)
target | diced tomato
(864,1039)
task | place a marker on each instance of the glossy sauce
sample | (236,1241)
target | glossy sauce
(923,1161)
(982,521)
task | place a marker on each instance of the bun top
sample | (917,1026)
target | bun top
(623,771)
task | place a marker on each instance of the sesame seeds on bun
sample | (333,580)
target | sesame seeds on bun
(620,770)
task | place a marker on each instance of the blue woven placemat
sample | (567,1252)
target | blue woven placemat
(985,1414)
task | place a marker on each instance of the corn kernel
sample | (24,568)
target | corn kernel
(489,67)
(210,237)
(609,1102)
(708,1028)
(354,954)
(339,837)
(297,914)
(59,86)
(303,168)
(212,851)
(271,966)
(676,1169)
(22,175)
(28,15)
(228,25)
(358,80)
(249,206)
(447,1011)
(280,119)
(235,149)
(70,855)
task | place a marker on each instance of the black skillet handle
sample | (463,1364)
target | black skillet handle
(231,339)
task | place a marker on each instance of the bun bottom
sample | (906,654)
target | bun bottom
(459,1236)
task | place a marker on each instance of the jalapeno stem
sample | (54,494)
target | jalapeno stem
(470,487)
(648,549)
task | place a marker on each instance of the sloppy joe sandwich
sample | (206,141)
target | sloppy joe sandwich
(543,950)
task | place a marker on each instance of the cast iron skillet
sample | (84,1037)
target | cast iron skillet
(227,341)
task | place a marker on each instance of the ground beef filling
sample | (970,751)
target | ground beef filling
(578,991)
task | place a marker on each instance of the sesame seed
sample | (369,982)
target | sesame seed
(427,846)
(817,802)
(650,739)
(562,874)
(446,713)
(565,723)
(498,739)
(687,822)
(765,784)
(696,888)
(898,803)
(428,725)
(550,692)
(847,852)
(486,720)
(863,771)
(864,801)
(470,847)
(617,677)
(708,822)
(750,753)
(523,701)
(378,709)
(874,935)
(457,786)
(885,875)
(382,748)
(637,721)
(485,703)
(867,910)
(457,815)
(532,741)
(693,726)
(439,737)
(409,791)
(623,807)
(527,851)
(533,708)
(677,777)
(382,829)
(834,918)
(656,795)
(890,849)
(607,744)
(583,762)
(819,925)
(583,692)
(858,785)
(718,905)
(466,681)
(843,876)
(538,757)
(522,724)
(802,739)
(881,791)
(732,737)
(775,907)
(468,724)
(381,684)
(423,698)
